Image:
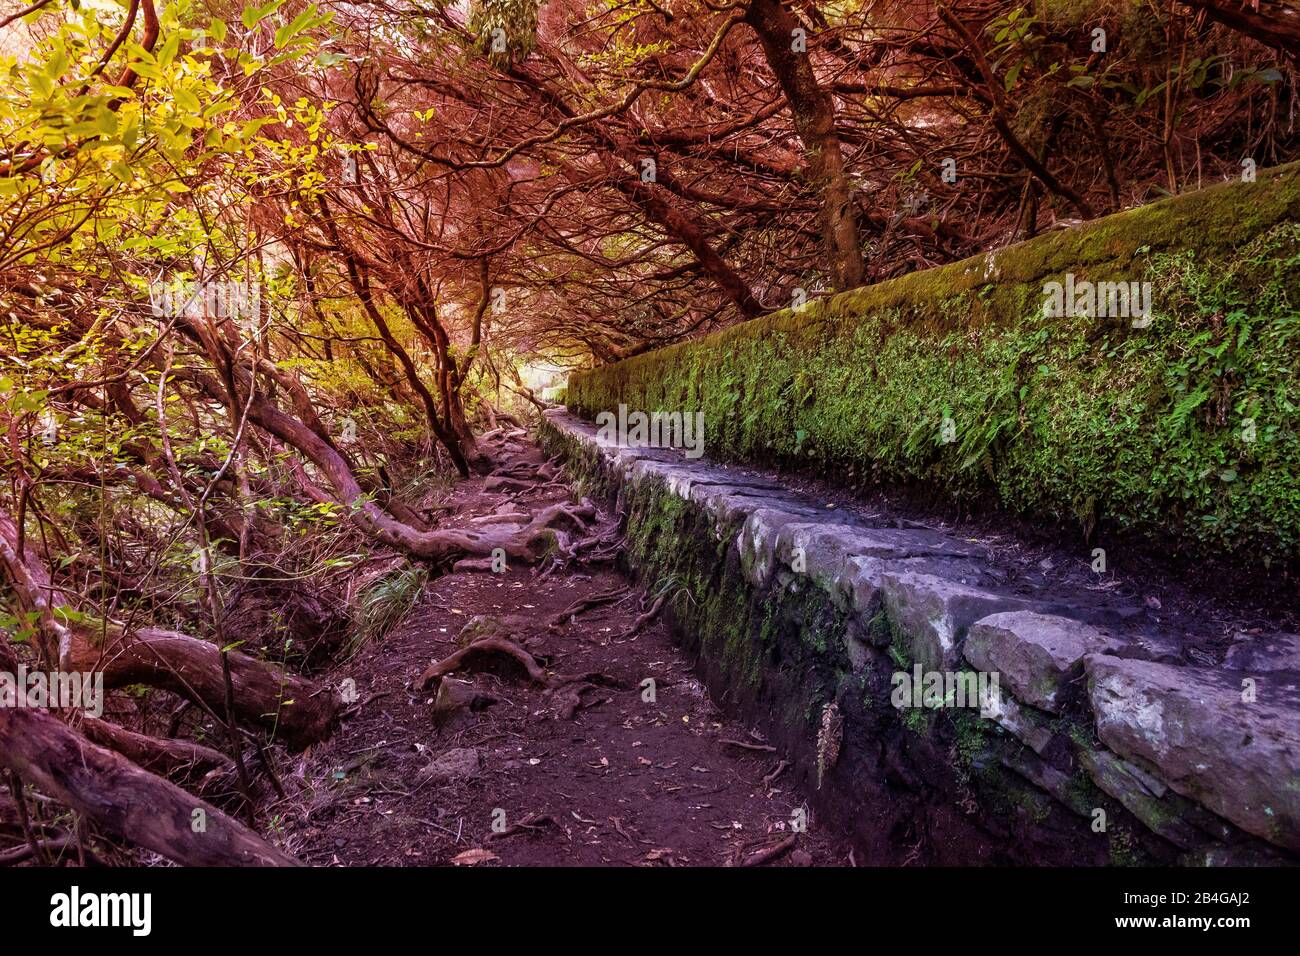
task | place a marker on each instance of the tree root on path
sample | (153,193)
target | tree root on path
(546,532)
(454,695)
(523,471)
(771,778)
(529,824)
(473,566)
(645,618)
(510,517)
(598,548)
(570,688)
(602,547)
(485,651)
(572,701)
(762,748)
(502,483)
(586,604)
(480,652)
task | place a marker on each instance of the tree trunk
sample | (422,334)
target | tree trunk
(813,110)
(182,759)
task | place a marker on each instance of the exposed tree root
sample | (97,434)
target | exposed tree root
(779,769)
(454,695)
(571,702)
(586,604)
(529,824)
(174,759)
(508,517)
(490,649)
(501,483)
(743,745)
(482,652)
(297,709)
(645,618)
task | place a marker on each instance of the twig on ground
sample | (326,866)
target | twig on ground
(765,748)
(770,854)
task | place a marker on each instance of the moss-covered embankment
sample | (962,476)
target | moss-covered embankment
(1186,428)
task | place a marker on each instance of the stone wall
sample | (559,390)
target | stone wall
(1104,743)
(1177,429)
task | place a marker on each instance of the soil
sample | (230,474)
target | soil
(625,782)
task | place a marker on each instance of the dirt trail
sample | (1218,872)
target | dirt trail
(625,781)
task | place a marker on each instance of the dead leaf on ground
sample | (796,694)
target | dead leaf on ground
(474,857)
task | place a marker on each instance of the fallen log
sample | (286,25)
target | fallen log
(122,798)
(293,708)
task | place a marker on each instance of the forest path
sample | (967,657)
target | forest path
(623,781)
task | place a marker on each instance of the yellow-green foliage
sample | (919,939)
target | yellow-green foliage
(1071,418)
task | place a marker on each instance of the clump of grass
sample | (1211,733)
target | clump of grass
(384,603)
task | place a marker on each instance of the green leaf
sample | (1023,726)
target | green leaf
(252,16)
(168,51)
(293,28)
(187,101)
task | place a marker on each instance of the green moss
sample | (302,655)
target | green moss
(918,720)
(822,621)
(972,743)
(1124,847)
(1077,420)
(1082,795)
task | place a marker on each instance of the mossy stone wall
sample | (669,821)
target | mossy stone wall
(1186,429)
